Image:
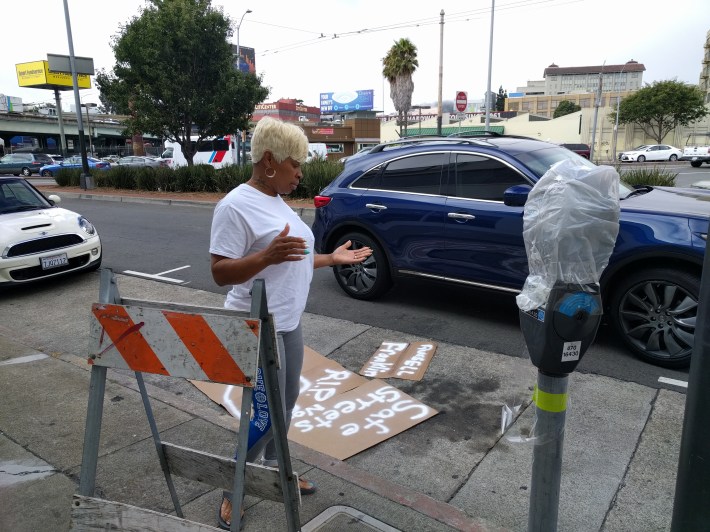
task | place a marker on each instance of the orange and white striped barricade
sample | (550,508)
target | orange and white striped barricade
(197,343)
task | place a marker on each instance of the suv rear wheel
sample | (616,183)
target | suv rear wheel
(369,279)
(26,172)
(655,312)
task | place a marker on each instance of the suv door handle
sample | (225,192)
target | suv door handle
(460,216)
(375,206)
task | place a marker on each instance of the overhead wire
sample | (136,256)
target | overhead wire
(461,16)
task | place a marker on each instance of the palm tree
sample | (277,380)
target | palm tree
(398,66)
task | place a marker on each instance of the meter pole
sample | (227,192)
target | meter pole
(550,398)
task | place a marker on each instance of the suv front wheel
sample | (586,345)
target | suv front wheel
(655,311)
(369,279)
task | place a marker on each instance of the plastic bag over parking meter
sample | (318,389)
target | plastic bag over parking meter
(570,225)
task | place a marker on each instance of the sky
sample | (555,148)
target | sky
(306,48)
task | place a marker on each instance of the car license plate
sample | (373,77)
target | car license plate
(55,261)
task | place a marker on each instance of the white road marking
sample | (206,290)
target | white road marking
(156,277)
(173,270)
(22,360)
(673,382)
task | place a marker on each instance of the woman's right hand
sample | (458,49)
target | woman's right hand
(285,248)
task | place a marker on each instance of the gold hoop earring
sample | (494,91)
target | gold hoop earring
(273,173)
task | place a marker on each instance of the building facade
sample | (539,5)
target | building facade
(288,110)
(576,84)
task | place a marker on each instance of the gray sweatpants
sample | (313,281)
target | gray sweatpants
(290,350)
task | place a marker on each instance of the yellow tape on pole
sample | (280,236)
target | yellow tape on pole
(549,402)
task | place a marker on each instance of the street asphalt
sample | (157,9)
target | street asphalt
(455,471)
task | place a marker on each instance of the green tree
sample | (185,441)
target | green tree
(661,107)
(500,99)
(397,67)
(566,107)
(175,73)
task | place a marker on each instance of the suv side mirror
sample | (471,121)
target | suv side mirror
(517,195)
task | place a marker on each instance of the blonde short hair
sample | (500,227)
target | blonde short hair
(282,139)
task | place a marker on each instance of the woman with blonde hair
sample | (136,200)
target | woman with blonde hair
(255,234)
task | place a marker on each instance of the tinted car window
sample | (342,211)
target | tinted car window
(478,177)
(368,179)
(44,158)
(418,173)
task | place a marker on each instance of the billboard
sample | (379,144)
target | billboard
(36,74)
(247,62)
(338,102)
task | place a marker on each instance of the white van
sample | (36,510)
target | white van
(317,150)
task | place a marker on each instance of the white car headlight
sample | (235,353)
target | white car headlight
(86,225)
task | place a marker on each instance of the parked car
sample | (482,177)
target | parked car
(451,210)
(23,163)
(651,152)
(74,161)
(143,161)
(56,158)
(40,240)
(580,149)
(363,151)
(111,158)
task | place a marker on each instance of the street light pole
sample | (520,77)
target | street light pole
(85,179)
(441,73)
(239,55)
(597,102)
(490,69)
(88,124)
(241,144)
(616,120)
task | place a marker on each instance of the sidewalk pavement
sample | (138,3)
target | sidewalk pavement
(454,471)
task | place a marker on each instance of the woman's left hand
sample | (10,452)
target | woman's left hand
(344,255)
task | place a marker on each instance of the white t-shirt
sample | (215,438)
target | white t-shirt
(246,221)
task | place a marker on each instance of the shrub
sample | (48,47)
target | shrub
(316,175)
(231,176)
(657,177)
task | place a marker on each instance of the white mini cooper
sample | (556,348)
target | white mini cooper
(39,239)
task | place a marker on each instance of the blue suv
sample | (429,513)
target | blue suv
(451,209)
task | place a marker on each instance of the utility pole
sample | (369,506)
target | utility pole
(597,101)
(60,119)
(490,70)
(241,143)
(85,179)
(441,72)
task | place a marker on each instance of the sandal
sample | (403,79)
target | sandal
(223,524)
(306,486)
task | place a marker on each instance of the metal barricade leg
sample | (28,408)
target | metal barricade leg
(158,444)
(268,360)
(92,433)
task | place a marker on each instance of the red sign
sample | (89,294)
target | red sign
(461,101)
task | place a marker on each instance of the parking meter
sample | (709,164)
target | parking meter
(570,225)
(571,221)
(559,333)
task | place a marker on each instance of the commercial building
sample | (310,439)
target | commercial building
(579,85)
(288,110)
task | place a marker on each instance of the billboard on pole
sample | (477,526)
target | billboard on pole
(338,102)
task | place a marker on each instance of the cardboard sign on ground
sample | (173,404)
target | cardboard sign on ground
(338,412)
(349,423)
(400,360)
